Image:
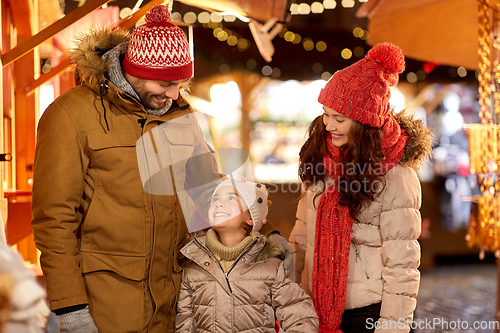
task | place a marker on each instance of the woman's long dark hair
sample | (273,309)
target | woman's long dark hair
(311,168)
(361,157)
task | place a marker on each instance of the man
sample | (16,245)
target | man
(109,242)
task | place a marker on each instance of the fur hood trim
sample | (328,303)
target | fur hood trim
(270,250)
(419,146)
(87,57)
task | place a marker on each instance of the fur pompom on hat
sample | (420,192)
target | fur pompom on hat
(158,50)
(362,90)
(255,196)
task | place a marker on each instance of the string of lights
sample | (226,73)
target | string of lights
(484,226)
(215,21)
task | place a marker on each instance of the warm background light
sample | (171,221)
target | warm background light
(346,53)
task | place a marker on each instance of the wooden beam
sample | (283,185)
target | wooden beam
(7,104)
(130,21)
(25,119)
(21,16)
(61,67)
(51,30)
(3,210)
(125,23)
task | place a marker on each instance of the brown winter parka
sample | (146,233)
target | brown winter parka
(104,239)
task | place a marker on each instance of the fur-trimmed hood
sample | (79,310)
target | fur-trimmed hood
(270,250)
(419,146)
(87,57)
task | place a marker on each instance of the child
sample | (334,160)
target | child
(235,281)
(355,238)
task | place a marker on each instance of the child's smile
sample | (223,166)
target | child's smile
(226,206)
(229,213)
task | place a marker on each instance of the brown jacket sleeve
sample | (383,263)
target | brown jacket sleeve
(60,166)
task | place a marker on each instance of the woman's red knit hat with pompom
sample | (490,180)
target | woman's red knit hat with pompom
(361,91)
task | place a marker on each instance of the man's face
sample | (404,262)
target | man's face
(155,94)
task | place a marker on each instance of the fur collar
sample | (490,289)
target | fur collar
(88,56)
(419,146)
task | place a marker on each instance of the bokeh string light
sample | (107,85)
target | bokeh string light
(484,226)
(224,34)
(214,21)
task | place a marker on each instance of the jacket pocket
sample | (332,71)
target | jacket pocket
(124,137)
(181,135)
(116,289)
(115,223)
(113,157)
(182,142)
(162,157)
(359,259)
(132,268)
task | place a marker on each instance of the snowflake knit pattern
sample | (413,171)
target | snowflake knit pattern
(158,50)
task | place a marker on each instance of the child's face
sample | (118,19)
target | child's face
(227,209)
(338,125)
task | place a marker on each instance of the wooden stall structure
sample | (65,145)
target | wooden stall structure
(34,27)
(25,29)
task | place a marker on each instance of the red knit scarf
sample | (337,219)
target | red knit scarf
(333,232)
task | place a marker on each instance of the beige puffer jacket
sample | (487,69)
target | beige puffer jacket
(248,298)
(385,253)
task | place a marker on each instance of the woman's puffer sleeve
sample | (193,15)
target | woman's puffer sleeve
(400,225)
(298,238)
(293,307)
(184,321)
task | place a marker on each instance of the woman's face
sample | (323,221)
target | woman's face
(338,125)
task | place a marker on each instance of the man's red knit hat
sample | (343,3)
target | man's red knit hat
(361,91)
(158,50)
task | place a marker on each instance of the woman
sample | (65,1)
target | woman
(358,220)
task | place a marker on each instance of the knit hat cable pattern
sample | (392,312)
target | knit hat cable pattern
(362,90)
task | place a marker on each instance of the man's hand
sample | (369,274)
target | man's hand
(78,321)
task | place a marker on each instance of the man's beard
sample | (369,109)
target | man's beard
(153,109)
(158,111)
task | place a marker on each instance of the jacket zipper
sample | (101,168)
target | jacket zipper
(232,266)
(360,259)
(150,201)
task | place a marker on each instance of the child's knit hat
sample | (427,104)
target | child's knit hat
(255,196)
(362,90)
(158,50)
